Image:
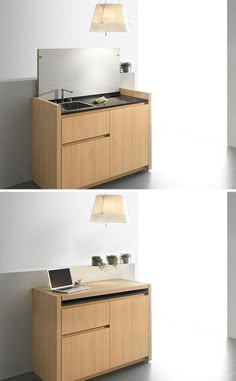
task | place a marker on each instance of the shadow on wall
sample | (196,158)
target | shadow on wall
(15,321)
(15,131)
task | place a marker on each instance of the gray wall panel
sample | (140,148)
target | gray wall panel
(15,131)
(15,321)
(232,73)
(231,265)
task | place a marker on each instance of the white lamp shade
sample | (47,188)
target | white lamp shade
(109,209)
(109,18)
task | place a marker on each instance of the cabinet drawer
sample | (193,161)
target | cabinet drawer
(85,163)
(85,126)
(85,354)
(85,317)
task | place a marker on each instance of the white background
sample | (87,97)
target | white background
(183,61)
(183,253)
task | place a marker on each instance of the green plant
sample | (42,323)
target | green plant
(125,66)
(125,258)
(112,260)
(97,261)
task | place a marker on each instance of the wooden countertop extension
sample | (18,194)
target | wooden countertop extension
(102,287)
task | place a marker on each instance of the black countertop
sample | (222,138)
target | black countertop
(114,100)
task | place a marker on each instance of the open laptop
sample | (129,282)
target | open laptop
(60,280)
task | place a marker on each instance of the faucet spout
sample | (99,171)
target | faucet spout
(63,94)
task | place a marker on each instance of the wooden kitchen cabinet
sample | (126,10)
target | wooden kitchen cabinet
(129,139)
(81,150)
(79,336)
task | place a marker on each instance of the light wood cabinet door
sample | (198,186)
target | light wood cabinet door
(85,354)
(129,139)
(129,330)
(85,163)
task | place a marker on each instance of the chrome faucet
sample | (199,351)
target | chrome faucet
(62,94)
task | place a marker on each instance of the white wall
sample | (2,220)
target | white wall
(27,25)
(41,230)
(232,264)
(185,65)
(182,252)
(232,73)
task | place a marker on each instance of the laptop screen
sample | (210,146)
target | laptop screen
(60,278)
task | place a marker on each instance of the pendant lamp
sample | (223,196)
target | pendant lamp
(109,209)
(109,17)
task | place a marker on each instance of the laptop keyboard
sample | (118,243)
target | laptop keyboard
(80,288)
(68,288)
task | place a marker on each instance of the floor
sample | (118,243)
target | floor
(178,355)
(179,162)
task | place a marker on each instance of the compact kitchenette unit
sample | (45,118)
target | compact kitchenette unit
(78,143)
(85,334)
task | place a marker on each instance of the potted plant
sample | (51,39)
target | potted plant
(112,260)
(125,67)
(125,258)
(97,261)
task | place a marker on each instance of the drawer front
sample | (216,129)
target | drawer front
(85,317)
(86,126)
(85,354)
(85,163)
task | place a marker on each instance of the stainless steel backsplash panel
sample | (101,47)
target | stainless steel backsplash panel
(84,71)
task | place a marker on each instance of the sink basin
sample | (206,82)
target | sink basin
(72,106)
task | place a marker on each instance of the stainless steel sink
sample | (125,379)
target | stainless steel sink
(73,106)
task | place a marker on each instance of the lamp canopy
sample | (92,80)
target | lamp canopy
(109,209)
(109,17)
